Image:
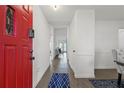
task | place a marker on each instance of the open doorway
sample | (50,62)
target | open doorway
(62,47)
(60,41)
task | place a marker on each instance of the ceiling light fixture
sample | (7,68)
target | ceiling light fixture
(55,7)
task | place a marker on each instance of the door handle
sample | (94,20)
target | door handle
(74,51)
(32,58)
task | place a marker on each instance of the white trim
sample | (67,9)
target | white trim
(105,67)
(84,75)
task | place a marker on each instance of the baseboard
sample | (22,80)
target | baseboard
(84,75)
(105,67)
(35,85)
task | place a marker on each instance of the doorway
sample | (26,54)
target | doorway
(62,46)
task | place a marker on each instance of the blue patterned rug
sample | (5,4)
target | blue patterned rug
(59,80)
(106,83)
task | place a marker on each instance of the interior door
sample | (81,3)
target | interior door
(15,46)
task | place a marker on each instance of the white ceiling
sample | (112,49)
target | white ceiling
(64,14)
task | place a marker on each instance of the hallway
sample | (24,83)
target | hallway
(82,30)
(60,65)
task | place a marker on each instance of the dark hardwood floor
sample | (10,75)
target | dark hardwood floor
(60,65)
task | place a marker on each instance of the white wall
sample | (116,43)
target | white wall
(41,45)
(81,39)
(121,38)
(106,39)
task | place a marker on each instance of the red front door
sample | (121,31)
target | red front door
(15,46)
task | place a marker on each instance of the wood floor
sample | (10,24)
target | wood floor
(60,65)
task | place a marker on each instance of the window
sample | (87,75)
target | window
(9,21)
